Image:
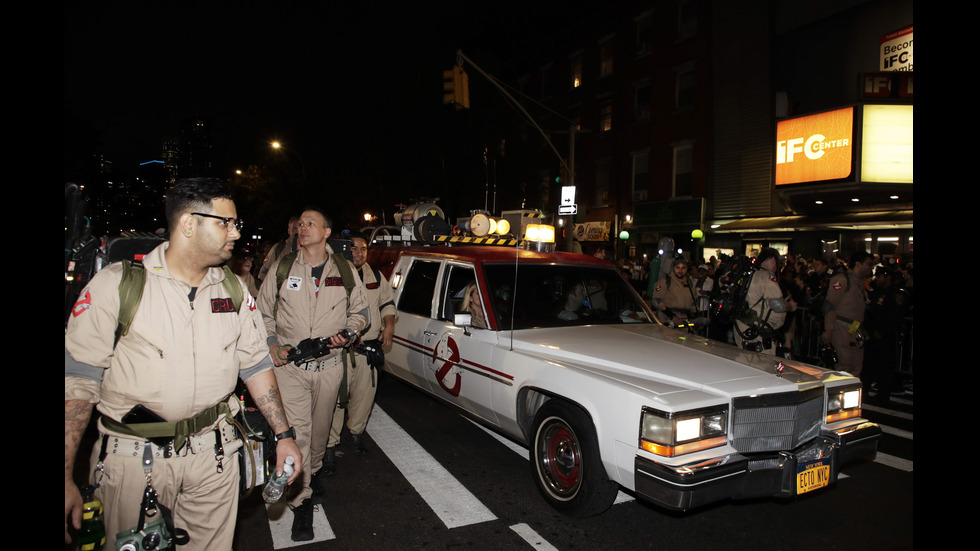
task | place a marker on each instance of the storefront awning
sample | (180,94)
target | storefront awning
(882,220)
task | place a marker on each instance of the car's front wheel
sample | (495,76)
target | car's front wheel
(566,463)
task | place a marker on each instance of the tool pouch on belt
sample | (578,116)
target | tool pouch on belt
(372,349)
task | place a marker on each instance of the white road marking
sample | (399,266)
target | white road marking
(532,537)
(281,526)
(520,450)
(447,497)
(887,411)
(907,434)
(895,462)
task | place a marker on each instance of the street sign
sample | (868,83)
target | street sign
(567,210)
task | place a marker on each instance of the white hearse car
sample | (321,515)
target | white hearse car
(572,364)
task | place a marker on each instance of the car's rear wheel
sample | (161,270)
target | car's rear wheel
(565,461)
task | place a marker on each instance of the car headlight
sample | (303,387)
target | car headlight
(843,403)
(672,434)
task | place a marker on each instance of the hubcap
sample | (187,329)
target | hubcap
(559,458)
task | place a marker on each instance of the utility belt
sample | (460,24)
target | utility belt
(194,444)
(144,425)
(320,365)
(855,328)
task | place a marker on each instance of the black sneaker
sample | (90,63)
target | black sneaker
(303,521)
(359,447)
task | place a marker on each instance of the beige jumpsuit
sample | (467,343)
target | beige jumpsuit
(178,359)
(361,382)
(309,392)
(849,298)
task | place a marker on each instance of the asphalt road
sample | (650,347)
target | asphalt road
(435,480)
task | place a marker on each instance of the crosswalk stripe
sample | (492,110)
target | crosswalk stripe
(896,432)
(887,411)
(447,497)
(532,537)
(895,462)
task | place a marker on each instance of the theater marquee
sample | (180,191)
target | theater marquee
(814,148)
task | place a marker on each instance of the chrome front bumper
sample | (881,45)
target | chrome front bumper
(739,476)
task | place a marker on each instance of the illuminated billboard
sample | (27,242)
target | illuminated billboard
(886,144)
(815,147)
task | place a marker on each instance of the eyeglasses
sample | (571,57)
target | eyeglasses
(226,221)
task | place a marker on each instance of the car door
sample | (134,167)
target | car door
(415,293)
(458,368)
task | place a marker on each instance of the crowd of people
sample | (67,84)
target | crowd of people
(853,314)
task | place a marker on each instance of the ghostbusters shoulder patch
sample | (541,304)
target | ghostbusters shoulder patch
(83,304)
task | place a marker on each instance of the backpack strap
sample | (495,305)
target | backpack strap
(282,272)
(346,274)
(233,288)
(130,294)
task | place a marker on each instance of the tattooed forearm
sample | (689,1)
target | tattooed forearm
(77,414)
(265,392)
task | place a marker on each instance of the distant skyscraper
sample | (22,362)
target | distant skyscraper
(170,155)
(196,149)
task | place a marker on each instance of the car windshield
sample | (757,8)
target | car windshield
(549,295)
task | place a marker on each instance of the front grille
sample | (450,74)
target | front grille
(776,422)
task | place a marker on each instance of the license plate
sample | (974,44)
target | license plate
(813,475)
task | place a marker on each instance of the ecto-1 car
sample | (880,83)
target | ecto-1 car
(561,354)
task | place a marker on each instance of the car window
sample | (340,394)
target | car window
(456,279)
(549,295)
(419,287)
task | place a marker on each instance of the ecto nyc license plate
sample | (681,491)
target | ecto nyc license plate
(813,475)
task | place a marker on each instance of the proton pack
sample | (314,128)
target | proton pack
(736,274)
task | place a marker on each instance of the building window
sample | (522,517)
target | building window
(687,19)
(547,80)
(641,176)
(641,99)
(644,34)
(685,88)
(602,177)
(605,58)
(684,170)
(576,76)
(605,117)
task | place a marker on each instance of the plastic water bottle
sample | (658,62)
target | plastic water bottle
(277,484)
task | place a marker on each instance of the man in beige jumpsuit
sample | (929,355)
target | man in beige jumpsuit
(181,358)
(312,302)
(361,378)
(765,299)
(675,291)
(847,299)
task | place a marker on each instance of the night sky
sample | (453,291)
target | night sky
(354,91)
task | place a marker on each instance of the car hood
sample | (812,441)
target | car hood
(662,360)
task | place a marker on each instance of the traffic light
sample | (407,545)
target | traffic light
(456,87)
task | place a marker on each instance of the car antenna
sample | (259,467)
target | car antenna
(513,293)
